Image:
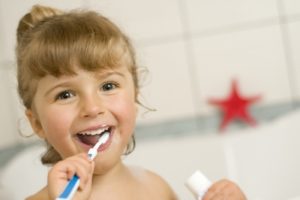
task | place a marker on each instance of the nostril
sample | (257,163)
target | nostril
(92,113)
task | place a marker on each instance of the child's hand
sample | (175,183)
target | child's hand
(64,170)
(224,190)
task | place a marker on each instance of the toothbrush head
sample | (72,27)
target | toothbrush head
(102,140)
(93,151)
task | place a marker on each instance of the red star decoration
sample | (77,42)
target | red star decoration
(235,107)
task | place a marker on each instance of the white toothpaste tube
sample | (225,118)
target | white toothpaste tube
(198,184)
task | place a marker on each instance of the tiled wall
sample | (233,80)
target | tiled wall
(192,48)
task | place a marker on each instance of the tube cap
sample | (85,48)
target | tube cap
(198,184)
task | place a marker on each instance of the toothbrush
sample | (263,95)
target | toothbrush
(73,184)
(93,151)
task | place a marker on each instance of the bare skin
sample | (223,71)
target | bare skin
(130,183)
(224,190)
(89,102)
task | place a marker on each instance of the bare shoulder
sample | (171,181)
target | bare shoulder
(154,183)
(42,194)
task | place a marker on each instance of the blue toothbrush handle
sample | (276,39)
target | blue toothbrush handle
(70,189)
(73,184)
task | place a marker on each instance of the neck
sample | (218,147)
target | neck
(111,175)
(113,183)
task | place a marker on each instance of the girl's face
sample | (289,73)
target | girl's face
(71,112)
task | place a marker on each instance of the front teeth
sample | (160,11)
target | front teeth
(94,132)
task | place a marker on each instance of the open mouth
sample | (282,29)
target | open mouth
(91,137)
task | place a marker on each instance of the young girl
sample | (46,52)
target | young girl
(77,78)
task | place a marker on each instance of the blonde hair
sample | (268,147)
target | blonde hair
(50,41)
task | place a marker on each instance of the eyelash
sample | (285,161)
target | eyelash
(113,85)
(61,95)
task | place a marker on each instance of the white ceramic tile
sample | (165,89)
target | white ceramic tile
(8,130)
(167,87)
(11,12)
(211,14)
(2,47)
(291,7)
(142,18)
(255,58)
(12,115)
(294,32)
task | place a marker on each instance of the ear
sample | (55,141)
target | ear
(35,123)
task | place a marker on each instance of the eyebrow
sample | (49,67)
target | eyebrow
(107,74)
(62,84)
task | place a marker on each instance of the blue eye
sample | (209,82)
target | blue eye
(108,86)
(64,95)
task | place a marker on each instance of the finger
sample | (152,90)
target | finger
(214,196)
(224,189)
(219,196)
(232,191)
(83,169)
(58,178)
(79,165)
(62,170)
(215,189)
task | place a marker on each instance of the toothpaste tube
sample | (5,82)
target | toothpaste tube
(198,184)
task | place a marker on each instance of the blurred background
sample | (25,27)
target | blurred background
(193,50)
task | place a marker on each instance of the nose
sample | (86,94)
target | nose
(91,106)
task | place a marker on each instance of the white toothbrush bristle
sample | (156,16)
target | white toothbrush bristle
(102,140)
(93,151)
(104,137)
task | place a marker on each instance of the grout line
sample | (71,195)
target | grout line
(243,26)
(231,28)
(190,57)
(288,53)
(159,40)
(230,160)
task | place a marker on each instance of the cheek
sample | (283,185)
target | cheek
(55,123)
(124,109)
